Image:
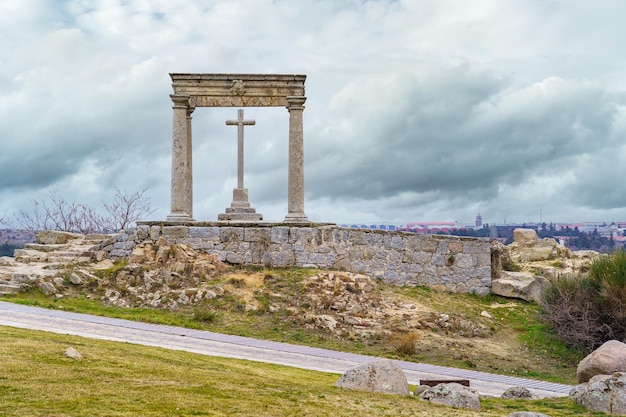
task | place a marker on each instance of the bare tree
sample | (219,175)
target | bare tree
(56,213)
(59,214)
(126,208)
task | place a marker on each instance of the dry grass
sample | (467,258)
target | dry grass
(119,379)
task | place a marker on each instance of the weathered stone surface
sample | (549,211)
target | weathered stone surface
(453,395)
(540,250)
(72,353)
(606,360)
(527,414)
(47,288)
(55,237)
(75,279)
(525,236)
(380,376)
(522,393)
(519,285)
(603,393)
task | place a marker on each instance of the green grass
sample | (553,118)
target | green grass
(121,379)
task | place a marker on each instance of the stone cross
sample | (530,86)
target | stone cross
(240,123)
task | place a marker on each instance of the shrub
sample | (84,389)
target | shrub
(204,314)
(404,343)
(588,310)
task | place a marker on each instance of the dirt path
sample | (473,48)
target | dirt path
(214,344)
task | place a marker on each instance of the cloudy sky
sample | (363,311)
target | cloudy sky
(417,110)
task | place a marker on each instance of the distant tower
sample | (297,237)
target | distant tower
(479,221)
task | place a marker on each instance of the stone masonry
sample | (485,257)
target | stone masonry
(451,263)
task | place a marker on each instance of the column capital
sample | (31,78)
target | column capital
(180,101)
(295,102)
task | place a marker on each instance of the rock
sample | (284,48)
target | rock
(528,248)
(234,258)
(55,237)
(7,261)
(47,288)
(525,236)
(75,279)
(603,393)
(104,264)
(380,376)
(521,393)
(586,254)
(527,414)
(453,395)
(72,353)
(498,251)
(521,285)
(486,314)
(605,360)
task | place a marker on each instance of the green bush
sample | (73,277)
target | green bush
(588,310)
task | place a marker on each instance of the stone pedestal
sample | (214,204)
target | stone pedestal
(240,208)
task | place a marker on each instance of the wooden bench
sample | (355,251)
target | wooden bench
(433,382)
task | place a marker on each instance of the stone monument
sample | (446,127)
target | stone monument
(240,207)
(234,90)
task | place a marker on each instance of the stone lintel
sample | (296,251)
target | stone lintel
(238,90)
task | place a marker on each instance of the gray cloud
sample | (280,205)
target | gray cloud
(415,110)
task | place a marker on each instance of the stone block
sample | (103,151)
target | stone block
(279,234)
(155,233)
(302,235)
(427,244)
(231,234)
(204,232)
(398,243)
(373,239)
(478,246)
(356,237)
(256,234)
(234,258)
(142,232)
(175,232)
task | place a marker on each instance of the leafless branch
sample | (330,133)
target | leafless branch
(126,208)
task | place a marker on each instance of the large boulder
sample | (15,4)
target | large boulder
(521,285)
(525,236)
(453,395)
(605,360)
(527,247)
(380,376)
(603,393)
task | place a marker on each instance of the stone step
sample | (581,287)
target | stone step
(41,247)
(9,288)
(60,262)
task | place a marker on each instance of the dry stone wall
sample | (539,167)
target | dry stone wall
(451,263)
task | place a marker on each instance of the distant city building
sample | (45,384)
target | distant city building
(479,221)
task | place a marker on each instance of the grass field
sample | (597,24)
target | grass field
(120,379)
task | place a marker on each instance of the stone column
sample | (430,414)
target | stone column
(181,173)
(189,196)
(295,193)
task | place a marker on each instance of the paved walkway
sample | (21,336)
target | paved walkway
(215,344)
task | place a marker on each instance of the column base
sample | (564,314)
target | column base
(296,218)
(179,217)
(245,216)
(240,208)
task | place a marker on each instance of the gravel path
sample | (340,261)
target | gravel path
(215,344)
